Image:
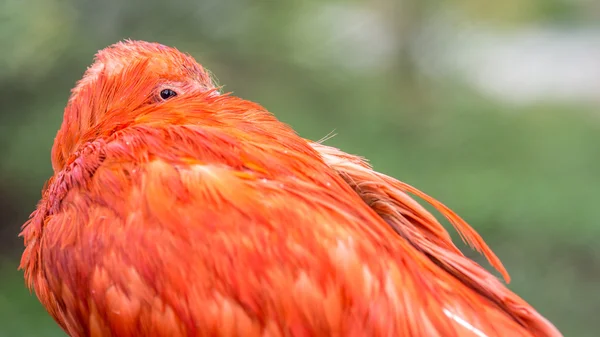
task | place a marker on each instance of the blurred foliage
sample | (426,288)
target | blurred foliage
(513,12)
(524,177)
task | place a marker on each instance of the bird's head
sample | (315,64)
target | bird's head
(125,77)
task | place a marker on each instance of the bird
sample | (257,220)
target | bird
(178,209)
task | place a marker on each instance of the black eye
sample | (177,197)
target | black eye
(167,93)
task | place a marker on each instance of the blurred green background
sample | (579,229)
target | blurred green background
(491,107)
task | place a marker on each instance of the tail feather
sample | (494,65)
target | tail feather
(390,199)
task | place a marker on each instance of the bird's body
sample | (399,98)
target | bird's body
(203,215)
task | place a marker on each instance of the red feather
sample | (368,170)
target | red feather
(204,215)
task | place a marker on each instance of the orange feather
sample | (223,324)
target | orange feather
(203,215)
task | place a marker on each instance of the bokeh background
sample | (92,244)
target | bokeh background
(490,106)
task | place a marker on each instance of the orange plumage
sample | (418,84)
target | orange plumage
(177,210)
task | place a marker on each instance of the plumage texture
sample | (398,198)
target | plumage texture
(203,215)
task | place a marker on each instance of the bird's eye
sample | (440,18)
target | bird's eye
(165,94)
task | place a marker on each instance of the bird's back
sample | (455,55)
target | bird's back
(230,230)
